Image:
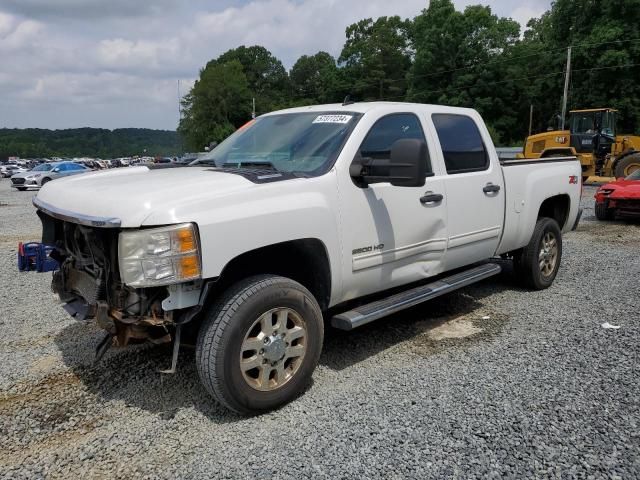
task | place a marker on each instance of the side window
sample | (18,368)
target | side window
(63,167)
(386,131)
(72,166)
(461,143)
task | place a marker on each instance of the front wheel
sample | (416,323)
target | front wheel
(603,212)
(260,343)
(45,180)
(537,264)
(627,165)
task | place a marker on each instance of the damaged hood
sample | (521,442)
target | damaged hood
(126,197)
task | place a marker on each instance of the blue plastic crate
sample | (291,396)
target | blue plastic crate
(34,256)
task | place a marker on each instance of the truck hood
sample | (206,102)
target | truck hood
(127,196)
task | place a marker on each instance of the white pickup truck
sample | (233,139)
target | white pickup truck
(350,212)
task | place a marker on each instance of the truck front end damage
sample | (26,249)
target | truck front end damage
(138,284)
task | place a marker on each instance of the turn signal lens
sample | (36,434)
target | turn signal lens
(185,240)
(189,266)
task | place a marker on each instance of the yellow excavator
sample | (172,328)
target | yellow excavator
(592,138)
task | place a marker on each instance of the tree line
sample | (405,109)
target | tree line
(79,142)
(471,58)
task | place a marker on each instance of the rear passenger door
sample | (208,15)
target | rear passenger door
(474,190)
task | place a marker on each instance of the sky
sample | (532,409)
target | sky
(118,63)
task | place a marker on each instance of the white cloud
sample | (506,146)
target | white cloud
(121,68)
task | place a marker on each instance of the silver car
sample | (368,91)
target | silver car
(44,173)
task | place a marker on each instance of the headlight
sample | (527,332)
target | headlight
(159,256)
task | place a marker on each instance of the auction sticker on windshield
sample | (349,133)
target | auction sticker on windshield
(333,119)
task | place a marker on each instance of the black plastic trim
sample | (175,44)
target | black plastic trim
(531,161)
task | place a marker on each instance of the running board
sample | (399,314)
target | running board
(373,311)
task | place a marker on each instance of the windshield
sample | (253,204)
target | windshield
(306,142)
(583,123)
(45,167)
(588,122)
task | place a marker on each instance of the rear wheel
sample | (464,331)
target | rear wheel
(260,343)
(537,264)
(603,212)
(627,165)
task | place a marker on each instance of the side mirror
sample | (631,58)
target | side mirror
(55,170)
(408,165)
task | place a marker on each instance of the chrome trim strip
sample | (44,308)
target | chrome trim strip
(78,218)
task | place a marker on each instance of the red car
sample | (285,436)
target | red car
(621,197)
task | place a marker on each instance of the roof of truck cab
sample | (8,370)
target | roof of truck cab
(364,107)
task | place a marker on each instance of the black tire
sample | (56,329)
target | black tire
(22,189)
(527,262)
(44,180)
(603,212)
(229,321)
(627,165)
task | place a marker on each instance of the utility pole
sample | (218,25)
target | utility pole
(566,87)
(530,119)
(179,105)
(253,109)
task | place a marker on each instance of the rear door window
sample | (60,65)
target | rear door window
(461,142)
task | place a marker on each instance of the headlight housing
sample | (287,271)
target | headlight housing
(159,256)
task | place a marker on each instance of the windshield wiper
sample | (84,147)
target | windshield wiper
(251,163)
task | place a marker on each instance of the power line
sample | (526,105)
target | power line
(546,75)
(476,65)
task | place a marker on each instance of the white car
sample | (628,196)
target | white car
(352,211)
(7,171)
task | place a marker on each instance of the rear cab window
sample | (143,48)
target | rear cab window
(462,146)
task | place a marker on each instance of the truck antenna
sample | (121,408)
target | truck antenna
(347,101)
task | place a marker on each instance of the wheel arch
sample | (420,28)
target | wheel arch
(550,152)
(304,260)
(556,207)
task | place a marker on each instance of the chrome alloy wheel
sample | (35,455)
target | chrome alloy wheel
(273,349)
(548,256)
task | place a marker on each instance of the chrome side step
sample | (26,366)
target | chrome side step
(381,308)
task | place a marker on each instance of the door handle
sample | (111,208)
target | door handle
(491,188)
(431,198)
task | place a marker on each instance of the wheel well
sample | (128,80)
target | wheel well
(557,208)
(306,261)
(557,152)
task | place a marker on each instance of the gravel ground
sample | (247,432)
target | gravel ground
(491,381)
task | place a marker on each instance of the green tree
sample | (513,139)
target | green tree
(460,60)
(376,58)
(314,79)
(218,103)
(267,79)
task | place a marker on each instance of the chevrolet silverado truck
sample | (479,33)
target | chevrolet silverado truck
(346,213)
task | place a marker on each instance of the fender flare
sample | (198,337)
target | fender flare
(568,151)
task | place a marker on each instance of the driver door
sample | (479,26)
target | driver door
(391,237)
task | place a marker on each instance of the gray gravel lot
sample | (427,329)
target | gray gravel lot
(492,381)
